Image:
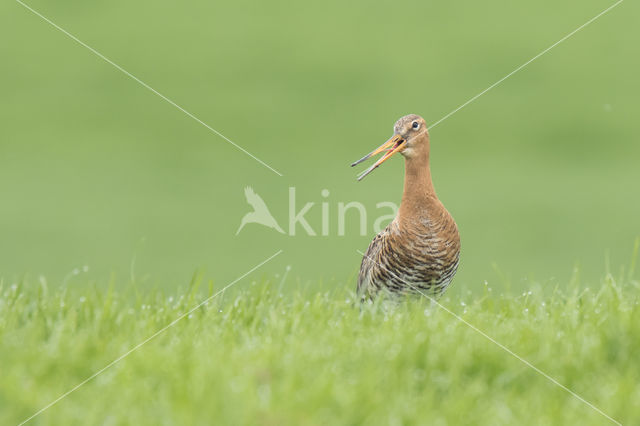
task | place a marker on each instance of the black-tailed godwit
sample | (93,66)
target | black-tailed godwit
(418,252)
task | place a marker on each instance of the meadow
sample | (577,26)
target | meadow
(120,211)
(255,356)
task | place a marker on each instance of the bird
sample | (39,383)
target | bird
(260,213)
(419,251)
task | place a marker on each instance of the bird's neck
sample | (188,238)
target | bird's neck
(419,198)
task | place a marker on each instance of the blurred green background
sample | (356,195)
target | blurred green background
(541,173)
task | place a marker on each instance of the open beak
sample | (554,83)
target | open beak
(393,145)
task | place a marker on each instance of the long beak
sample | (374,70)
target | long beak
(393,145)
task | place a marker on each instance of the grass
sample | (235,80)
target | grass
(257,357)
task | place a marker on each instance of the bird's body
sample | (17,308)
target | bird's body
(419,251)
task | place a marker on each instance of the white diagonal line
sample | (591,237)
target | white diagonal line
(118,67)
(500,345)
(525,64)
(157,333)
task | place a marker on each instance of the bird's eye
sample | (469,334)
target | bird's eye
(415,124)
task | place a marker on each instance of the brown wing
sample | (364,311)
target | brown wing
(371,260)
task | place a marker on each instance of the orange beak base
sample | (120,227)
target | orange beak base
(393,145)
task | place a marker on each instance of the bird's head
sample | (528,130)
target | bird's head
(410,136)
